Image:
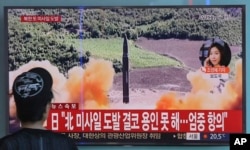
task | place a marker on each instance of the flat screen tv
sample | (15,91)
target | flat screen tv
(151,75)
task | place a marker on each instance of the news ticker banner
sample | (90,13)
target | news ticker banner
(144,126)
(66,119)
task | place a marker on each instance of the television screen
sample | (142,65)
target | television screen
(152,75)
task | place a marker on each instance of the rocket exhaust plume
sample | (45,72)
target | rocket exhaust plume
(91,84)
(201,99)
(125,71)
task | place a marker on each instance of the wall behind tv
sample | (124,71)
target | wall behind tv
(4,61)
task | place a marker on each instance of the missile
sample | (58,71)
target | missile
(125,70)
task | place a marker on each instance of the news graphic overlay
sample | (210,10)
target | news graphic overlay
(239,141)
(135,75)
(215,55)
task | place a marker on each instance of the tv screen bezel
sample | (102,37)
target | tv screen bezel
(243,7)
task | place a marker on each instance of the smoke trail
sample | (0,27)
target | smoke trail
(201,98)
(97,80)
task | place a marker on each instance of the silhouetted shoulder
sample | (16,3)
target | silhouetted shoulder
(30,139)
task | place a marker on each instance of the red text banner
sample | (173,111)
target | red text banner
(41,18)
(221,121)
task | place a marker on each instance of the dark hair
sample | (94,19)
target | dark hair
(36,110)
(32,92)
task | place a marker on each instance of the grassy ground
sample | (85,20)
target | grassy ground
(113,49)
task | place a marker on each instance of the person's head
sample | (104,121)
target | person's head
(32,92)
(217,51)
